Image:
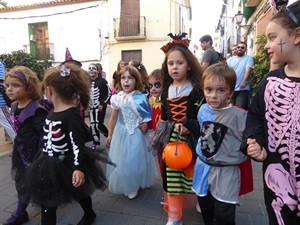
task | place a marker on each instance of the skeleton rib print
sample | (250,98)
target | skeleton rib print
(283,123)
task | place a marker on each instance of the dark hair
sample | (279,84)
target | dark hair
(206,38)
(244,43)
(194,74)
(223,72)
(136,74)
(29,79)
(99,66)
(142,69)
(71,88)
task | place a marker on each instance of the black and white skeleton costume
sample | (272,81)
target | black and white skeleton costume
(49,178)
(99,95)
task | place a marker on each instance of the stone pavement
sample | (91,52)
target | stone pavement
(145,209)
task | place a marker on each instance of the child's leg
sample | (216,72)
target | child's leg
(48,215)
(207,205)
(101,126)
(224,213)
(20,216)
(89,214)
(94,126)
(173,205)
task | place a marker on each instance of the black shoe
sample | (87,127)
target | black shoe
(87,219)
(17,220)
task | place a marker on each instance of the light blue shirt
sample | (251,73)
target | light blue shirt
(239,64)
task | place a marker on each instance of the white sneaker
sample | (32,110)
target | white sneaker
(198,208)
(132,195)
(178,222)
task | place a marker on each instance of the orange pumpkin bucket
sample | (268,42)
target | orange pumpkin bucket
(177,155)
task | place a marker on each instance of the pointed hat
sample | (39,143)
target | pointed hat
(68,58)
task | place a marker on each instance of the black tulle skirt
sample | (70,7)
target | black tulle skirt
(48,181)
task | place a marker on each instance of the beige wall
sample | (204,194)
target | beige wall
(161,19)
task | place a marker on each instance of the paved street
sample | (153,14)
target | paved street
(118,210)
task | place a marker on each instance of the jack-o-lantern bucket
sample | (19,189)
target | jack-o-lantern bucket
(177,155)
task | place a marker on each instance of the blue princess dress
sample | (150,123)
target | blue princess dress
(136,167)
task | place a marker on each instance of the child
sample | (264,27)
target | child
(116,78)
(28,118)
(66,169)
(272,129)
(144,75)
(181,98)
(99,97)
(156,87)
(127,138)
(217,177)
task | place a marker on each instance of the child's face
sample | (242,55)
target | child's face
(280,45)
(128,82)
(93,71)
(155,87)
(15,89)
(216,92)
(177,67)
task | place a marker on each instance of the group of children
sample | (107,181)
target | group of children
(196,104)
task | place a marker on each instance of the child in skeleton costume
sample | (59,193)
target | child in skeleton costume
(181,98)
(217,176)
(128,139)
(272,129)
(99,97)
(67,169)
(28,118)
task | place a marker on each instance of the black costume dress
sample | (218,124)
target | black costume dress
(50,176)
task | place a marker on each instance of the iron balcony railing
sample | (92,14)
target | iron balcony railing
(130,28)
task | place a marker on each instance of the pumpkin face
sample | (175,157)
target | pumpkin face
(177,155)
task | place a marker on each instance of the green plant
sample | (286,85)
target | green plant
(20,58)
(261,62)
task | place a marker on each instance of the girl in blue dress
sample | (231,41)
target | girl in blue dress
(128,139)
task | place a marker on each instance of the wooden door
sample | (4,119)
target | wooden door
(42,41)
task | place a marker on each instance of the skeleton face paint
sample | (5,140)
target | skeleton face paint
(93,70)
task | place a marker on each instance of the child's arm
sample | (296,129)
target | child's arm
(111,125)
(255,151)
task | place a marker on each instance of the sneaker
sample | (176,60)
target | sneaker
(177,222)
(162,201)
(16,220)
(198,208)
(132,195)
(87,219)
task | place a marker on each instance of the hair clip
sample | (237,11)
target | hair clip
(140,66)
(64,71)
(177,40)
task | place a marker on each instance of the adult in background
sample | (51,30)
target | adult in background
(210,56)
(242,65)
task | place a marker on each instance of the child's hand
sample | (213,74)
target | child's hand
(78,178)
(144,127)
(181,129)
(255,151)
(107,141)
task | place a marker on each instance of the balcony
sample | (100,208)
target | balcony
(45,51)
(130,28)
